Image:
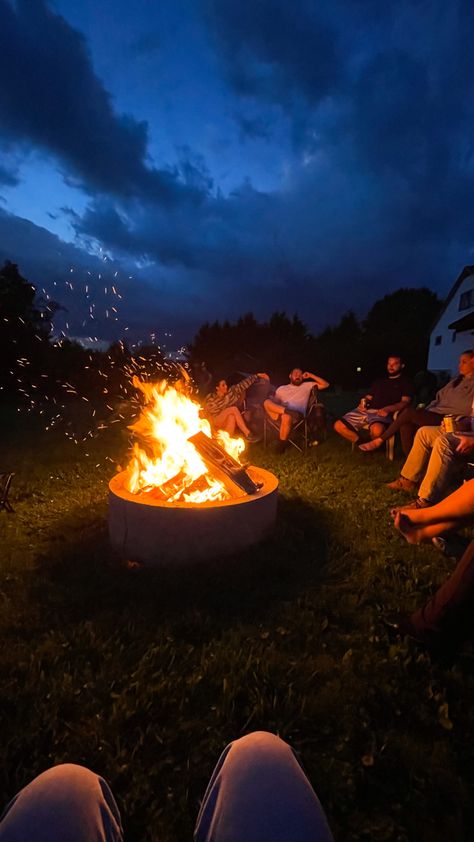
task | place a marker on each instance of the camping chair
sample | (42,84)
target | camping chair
(303,427)
(5,482)
(389,443)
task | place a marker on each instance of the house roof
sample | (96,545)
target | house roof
(468,270)
(465,323)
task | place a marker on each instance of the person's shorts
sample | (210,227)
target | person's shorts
(360,419)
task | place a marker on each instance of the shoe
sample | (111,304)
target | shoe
(252,438)
(415,504)
(402,484)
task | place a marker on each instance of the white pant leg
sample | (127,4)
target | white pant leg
(418,458)
(258,792)
(443,462)
(67,803)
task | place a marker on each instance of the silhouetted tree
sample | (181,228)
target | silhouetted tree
(400,322)
(338,351)
(25,327)
(248,346)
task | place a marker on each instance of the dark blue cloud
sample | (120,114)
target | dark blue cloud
(8,176)
(276,50)
(377,186)
(50,97)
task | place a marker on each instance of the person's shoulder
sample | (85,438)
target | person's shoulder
(406,380)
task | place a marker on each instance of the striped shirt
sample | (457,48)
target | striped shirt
(214,404)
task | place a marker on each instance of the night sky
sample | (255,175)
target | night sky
(215,157)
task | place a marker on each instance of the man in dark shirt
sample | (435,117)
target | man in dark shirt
(456,398)
(375,411)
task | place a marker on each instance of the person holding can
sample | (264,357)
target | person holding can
(375,410)
(453,399)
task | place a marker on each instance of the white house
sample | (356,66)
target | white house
(453,333)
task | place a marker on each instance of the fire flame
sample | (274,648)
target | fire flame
(167,463)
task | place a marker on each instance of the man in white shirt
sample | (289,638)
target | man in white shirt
(290,401)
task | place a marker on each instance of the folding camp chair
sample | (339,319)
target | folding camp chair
(301,431)
(5,482)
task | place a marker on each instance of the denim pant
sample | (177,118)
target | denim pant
(258,792)
(432,459)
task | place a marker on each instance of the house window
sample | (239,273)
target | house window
(438,340)
(465,300)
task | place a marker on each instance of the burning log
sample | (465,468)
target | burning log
(223,465)
(174,489)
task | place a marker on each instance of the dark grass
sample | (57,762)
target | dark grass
(145,676)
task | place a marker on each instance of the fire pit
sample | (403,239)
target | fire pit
(184,497)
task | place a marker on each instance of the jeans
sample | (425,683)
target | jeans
(258,792)
(433,459)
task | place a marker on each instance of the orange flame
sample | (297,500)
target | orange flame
(167,460)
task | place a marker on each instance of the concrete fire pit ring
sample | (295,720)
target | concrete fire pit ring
(160,534)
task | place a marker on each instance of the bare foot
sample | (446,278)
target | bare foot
(409,530)
(371,445)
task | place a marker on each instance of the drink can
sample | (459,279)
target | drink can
(363,403)
(449,424)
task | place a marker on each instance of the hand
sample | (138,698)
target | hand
(263,376)
(382,412)
(466,444)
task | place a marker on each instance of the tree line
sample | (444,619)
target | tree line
(348,354)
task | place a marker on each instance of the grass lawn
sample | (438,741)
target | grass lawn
(145,676)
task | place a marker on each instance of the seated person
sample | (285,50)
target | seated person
(433,459)
(221,406)
(375,412)
(453,399)
(443,623)
(290,402)
(258,792)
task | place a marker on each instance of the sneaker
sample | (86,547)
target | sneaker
(252,438)
(402,484)
(415,504)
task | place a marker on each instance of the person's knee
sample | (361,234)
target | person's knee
(259,744)
(339,426)
(69,778)
(69,775)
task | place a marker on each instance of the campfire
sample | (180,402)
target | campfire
(185,494)
(175,458)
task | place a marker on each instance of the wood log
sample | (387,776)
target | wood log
(222,465)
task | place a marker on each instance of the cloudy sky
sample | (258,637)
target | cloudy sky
(211,157)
